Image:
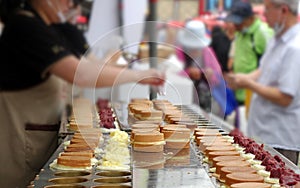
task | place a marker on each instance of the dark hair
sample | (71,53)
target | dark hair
(77,2)
(7,7)
(216,30)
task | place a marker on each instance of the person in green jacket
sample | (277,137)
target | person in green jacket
(250,40)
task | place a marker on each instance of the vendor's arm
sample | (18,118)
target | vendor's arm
(86,74)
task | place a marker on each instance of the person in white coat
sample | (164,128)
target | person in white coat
(274,115)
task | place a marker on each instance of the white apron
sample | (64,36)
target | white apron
(29,121)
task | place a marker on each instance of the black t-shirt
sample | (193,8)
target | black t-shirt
(221,44)
(73,38)
(28,47)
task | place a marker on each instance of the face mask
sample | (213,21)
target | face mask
(245,30)
(61,17)
(59,13)
(278,28)
(71,16)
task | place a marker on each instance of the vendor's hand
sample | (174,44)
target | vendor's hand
(152,77)
(194,73)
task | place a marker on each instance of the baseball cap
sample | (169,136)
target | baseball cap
(239,11)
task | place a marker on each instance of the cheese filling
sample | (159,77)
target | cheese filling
(177,140)
(151,143)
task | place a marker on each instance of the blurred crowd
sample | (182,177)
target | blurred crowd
(255,57)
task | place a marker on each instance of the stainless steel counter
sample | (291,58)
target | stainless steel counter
(187,172)
(175,177)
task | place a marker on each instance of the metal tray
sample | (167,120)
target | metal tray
(186,173)
(84,178)
(191,173)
